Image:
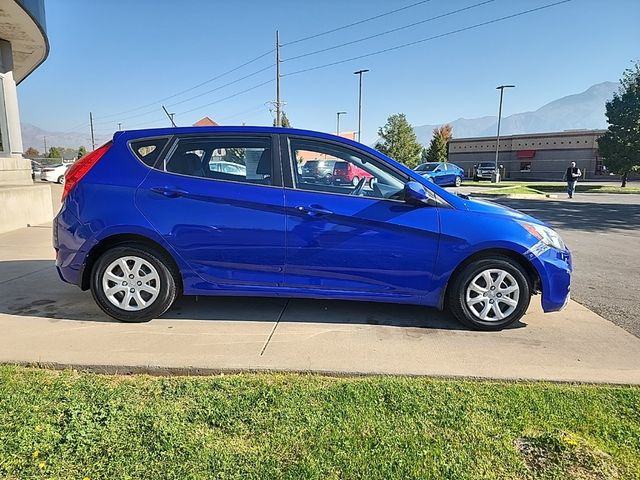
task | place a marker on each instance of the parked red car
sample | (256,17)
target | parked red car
(346,172)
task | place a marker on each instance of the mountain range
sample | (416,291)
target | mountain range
(580,111)
(574,112)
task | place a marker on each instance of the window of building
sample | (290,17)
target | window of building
(525,166)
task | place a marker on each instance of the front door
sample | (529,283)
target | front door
(219,203)
(362,239)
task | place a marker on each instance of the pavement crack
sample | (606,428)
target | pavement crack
(275,325)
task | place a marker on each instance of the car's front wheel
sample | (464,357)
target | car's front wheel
(133,283)
(490,293)
(458,181)
(61,179)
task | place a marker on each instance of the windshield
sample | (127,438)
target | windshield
(487,165)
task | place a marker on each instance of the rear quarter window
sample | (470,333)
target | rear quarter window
(148,150)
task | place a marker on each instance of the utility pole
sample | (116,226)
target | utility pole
(45,145)
(338,122)
(496,175)
(360,72)
(170,115)
(278,104)
(119,126)
(93,138)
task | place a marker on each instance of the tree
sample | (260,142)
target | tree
(620,145)
(284,120)
(81,152)
(54,152)
(399,141)
(439,146)
(31,152)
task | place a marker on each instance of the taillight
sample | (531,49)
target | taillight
(81,168)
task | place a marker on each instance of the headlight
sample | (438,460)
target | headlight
(546,235)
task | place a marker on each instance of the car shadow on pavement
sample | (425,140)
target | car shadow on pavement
(574,214)
(32,288)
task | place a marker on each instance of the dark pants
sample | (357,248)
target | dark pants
(571,187)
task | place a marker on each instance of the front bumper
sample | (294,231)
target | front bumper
(484,174)
(554,268)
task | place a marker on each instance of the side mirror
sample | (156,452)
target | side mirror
(416,194)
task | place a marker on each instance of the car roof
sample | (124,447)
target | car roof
(152,132)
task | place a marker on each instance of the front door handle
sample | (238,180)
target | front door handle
(314,211)
(170,192)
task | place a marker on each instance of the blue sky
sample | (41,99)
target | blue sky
(111,57)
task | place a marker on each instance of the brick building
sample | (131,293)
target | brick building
(538,156)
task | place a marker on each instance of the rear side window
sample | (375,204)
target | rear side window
(246,160)
(148,150)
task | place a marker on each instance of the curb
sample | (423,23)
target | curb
(522,196)
(164,371)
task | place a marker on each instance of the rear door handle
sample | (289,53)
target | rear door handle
(170,192)
(314,211)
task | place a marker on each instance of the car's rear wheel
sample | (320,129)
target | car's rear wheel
(61,179)
(490,293)
(355,181)
(458,181)
(133,283)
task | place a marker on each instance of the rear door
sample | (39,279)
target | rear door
(358,243)
(229,227)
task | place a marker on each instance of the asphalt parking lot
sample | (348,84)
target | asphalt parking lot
(603,233)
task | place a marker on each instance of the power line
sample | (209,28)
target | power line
(359,22)
(452,32)
(228,97)
(233,95)
(102,122)
(430,19)
(191,88)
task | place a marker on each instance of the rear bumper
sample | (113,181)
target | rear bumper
(68,243)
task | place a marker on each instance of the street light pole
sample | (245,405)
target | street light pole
(338,122)
(360,72)
(496,173)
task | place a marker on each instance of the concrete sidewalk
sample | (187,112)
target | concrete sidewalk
(43,320)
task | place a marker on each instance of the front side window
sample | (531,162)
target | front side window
(246,160)
(331,168)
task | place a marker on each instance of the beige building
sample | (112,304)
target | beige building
(23,47)
(538,156)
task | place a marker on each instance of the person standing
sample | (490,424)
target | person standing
(571,176)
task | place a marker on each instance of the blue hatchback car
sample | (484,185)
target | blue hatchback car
(149,216)
(441,173)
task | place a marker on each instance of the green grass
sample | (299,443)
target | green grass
(262,426)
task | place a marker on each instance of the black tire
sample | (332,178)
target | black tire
(475,178)
(456,293)
(61,180)
(457,182)
(168,290)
